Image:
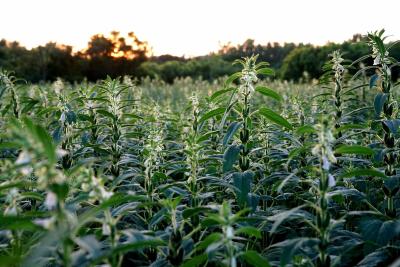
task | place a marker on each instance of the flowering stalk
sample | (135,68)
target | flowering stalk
(153,152)
(192,149)
(338,71)
(388,111)
(134,93)
(13,209)
(86,95)
(7,82)
(113,90)
(323,151)
(246,90)
(66,122)
(175,245)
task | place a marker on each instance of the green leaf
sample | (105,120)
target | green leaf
(17,223)
(116,199)
(274,117)
(379,231)
(284,215)
(373,80)
(363,172)
(132,116)
(212,113)
(254,259)
(189,212)
(305,129)
(206,136)
(351,127)
(218,93)
(266,71)
(293,247)
(378,257)
(354,149)
(105,113)
(232,78)
(392,125)
(269,92)
(136,245)
(242,181)
(230,157)
(196,261)
(9,145)
(47,143)
(32,195)
(249,231)
(379,101)
(211,238)
(232,129)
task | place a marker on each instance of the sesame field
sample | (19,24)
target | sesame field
(245,170)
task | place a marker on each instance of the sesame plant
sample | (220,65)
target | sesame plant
(247,170)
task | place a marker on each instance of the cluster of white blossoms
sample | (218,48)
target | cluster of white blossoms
(12,201)
(24,158)
(324,150)
(190,145)
(58,86)
(63,107)
(6,80)
(97,190)
(115,103)
(195,103)
(128,81)
(154,146)
(136,91)
(248,79)
(337,64)
(379,56)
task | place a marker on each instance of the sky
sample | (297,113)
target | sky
(192,28)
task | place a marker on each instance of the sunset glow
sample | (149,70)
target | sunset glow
(192,28)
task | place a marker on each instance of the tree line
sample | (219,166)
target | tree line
(117,55)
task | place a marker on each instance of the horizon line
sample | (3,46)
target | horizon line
(77,48)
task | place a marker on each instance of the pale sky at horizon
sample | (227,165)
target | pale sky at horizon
(191,28)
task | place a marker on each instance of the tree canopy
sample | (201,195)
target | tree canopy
(117,55)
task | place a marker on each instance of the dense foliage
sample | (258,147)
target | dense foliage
(245,171)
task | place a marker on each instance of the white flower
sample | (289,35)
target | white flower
(62,117)
(58,85)
(90,104)
(331,180)
(23,158)
(11,211)
(12,194)
(377,60)
(105,194)
(325,163)
(106,229)
(51,200)
(195,102)
(45,223)
(61,153)
(229,232)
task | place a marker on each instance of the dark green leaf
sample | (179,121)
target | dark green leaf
(266,71)
(254,259)
(354,149)
(379,101)
(212,113)
(230,157)
(232,129)
(274,117)
(269,92)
